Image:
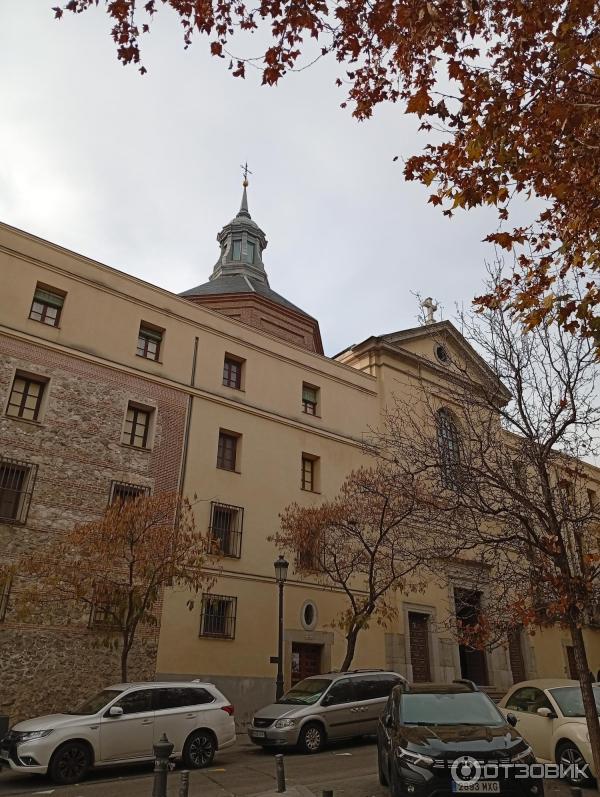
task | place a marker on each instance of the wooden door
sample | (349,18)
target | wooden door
(306,661)
(418,630)
(515,654)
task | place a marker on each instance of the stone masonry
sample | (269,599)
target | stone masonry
(77,448)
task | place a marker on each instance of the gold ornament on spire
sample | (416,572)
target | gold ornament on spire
(246,171)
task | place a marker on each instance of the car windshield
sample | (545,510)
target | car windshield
(570,701)
(93,704)
(462,708)
(306,692)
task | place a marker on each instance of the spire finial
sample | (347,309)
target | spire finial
(243,211)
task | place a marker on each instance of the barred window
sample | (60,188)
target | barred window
(137,426)
(26,397)
(5,585)
(122,491)
(232,373)
(226,524)
(218,616)
(309,399)
(105,614)
(449,448)
(309,468)
(308,557)
(149,342)
(47,305)
(16,486)
(227,452)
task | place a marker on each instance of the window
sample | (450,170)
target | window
(528,699)
(218,616)
(309,473)
(309,399)
(137,702)
(250,248)
(121,491)
(341,692)
(25,398)
(449,448)
(592,497)
(236,249)
(149,342)
(5,585)
(232,372)
(16,486)
(47,305)
(227,452)
(137,426)
(107,608)
(181,696)
(226,523)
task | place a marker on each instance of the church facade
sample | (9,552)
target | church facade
(111,387)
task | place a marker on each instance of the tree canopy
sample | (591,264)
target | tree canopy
(508,93)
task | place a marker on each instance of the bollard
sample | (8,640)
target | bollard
(162,750)
(184,784)
(279,769)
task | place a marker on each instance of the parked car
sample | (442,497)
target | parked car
(119,725)
(323,708)
(550,715)
(425,728)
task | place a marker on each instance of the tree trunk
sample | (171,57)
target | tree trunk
(350,648)
(587,693)
(124,654)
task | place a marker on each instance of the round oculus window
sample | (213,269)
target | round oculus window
(309,616)
(442,354)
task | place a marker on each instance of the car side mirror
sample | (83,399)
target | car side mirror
(115,711)
(388,720)
(511,719)
(546,712)
(328,700)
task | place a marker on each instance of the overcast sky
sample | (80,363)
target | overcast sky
(142,172)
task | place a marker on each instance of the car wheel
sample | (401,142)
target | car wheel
(70,763)
(312,738)
(199,750)
(382,770)
(568,754)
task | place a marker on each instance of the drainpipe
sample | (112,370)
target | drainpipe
(188,421)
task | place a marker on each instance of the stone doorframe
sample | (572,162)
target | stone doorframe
(290,635)
(432,639)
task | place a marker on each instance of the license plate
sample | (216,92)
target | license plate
(480,787)
(259,734)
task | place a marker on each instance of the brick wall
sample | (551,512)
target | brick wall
(77,448)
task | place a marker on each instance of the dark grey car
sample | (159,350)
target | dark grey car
(326,707)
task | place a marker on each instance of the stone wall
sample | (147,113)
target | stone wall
(47,671)
(77,448)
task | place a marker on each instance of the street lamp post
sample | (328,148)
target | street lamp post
(281,570)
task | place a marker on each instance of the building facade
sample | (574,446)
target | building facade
(111,386)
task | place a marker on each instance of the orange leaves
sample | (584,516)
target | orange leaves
(419,103)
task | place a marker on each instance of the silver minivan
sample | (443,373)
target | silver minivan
(323,708)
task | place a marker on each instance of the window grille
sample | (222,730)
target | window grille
(5,586)
(226,454)
(25,398)
(105,615)
(17,480)
(226,525)
(122,491)
(137,427)
(449,449)
(47,306)
(149,342)
(218,616)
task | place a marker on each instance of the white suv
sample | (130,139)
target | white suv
(120,725)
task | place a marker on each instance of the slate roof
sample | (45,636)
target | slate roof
(239,283)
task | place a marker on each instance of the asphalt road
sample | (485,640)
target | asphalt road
(349,769)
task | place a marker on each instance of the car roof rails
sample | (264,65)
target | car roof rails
(467,682)
(368,669)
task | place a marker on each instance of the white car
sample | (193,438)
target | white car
(120,725)
(550,716)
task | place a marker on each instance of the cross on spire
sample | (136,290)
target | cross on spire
(430,307)
(246,171)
